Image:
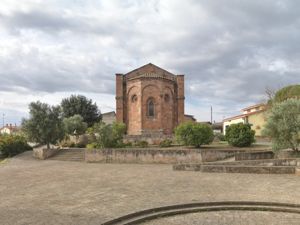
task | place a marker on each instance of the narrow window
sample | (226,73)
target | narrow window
(150,107)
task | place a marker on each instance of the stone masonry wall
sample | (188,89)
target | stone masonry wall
(133,91)
(143,155)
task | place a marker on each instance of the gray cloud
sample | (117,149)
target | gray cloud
(229,51)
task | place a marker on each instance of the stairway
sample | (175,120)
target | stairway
(72,154)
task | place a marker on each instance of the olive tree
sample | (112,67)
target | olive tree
(75,125)
(44,125)
(283,124)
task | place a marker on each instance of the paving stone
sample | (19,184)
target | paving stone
(61,192)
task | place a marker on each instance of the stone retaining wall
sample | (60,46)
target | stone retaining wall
(288,154)
(254,155)
(209,155)
(249,169)
(143,155)
(262,162)
(213,168)
(44,153)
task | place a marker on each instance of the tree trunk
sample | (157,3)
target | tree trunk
(48,145)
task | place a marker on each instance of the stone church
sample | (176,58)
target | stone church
(150,100)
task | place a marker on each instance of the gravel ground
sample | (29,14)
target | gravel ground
(57,192)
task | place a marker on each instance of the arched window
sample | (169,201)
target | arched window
(150,107)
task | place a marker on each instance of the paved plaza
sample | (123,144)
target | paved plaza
(57,192)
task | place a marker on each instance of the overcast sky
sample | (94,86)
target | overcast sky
(229,51)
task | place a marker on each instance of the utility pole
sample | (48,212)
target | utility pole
(211,114)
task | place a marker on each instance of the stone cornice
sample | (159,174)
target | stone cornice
(153,75)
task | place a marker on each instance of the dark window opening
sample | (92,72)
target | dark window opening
(150,111)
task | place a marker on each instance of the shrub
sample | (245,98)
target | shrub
(142,144)
(283,125)
(194,134)
(240,135)
(109,136)
(165,143)
(219,137)
(91,145)
(128,144)
(67,143)
(11,145)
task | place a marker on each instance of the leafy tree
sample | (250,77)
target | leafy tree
(240,135)
(80,105)
(75,125)
(283,125)
(107,135)
(44,125)
(194,134)
(291,91)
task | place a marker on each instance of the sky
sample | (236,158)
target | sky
(230,51)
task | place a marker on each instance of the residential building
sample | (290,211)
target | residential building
(9,129)
(254,115)
(109,117)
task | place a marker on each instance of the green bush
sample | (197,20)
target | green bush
(165,143)
(127,144)
(91,145)
(108,136)
(240,135)
(194,134)
(11,145)
(283,125)
(219,137)
(142,144)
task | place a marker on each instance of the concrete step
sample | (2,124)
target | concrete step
(69,155)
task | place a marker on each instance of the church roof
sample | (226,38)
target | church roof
(150,70)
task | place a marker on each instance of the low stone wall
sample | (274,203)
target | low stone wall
(44,153)
(263,162)
(209,155)
(287,154)
(143,155)
(213,168)
(254,155)
(249,169)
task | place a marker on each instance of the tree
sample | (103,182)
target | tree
(240,135)
(283,125)
(75,125)
(80,105)
(291,91)
(109,135)
(44,125)
(194,134)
